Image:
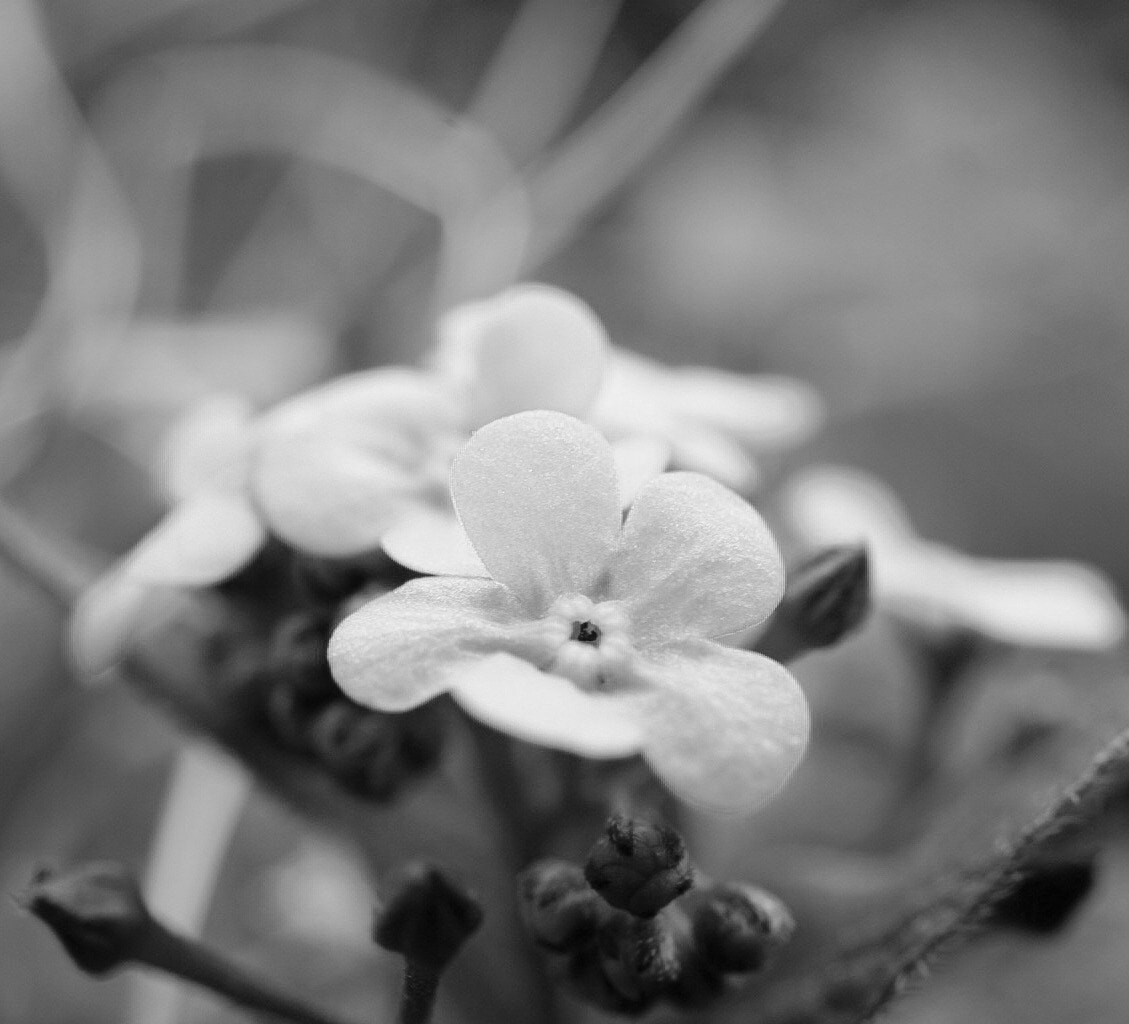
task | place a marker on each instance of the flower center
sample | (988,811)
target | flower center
(595,649)
(586,632)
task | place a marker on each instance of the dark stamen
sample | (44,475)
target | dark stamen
(586,632)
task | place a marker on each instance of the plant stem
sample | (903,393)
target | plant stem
(417,997)
(52,564)
(617,139)
(192,961)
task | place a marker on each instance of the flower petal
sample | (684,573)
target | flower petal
(836,505)
(402,649)
(532,347)
(1052,604)
(115,614)
(695,560)
(433,543)
(725,728)
(538,497)
(512,695)
(637,460)
(764,412)
(357,404)
(201,541)
(328,496)
(1028,603)
(702,450)
(208,447)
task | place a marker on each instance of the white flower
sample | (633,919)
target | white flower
(594,635)
(1028,603)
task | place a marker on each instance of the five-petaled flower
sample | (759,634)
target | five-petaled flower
(594,635)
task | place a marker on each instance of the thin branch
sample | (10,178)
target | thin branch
(597,158)
(54,565)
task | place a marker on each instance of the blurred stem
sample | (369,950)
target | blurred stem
(597,158)
(521,833)
(53,565)
(192,961)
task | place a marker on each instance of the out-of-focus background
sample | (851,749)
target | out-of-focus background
(922,208)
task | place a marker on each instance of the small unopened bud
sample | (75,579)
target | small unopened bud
(737,927)
(96,911)
(558,905)
(826,598)
(427,917)
(638,866)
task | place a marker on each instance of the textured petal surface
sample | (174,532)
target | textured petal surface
(201,541)
(534,347)
(725,728)
(402,649)
(328,496)
(433,543)
(538,496)
(695,560)
(209,447)
(512,695)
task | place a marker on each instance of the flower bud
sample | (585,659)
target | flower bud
(638,866)
(96,911)
(827,597)
(427,918)
(736,927)
(558,906)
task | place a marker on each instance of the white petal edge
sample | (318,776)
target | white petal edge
(432,543)
(1058,604)
(208,447)
(203,540)
(111,616)
(402,649)
(329,496)
(836,504)
(695,560)
(535,347)
(725,728)
(355,404)
(637,460)
(537,495)
(513,696)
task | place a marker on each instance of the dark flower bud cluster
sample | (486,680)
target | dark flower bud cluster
(370,752)
(634,927)
(638,866)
